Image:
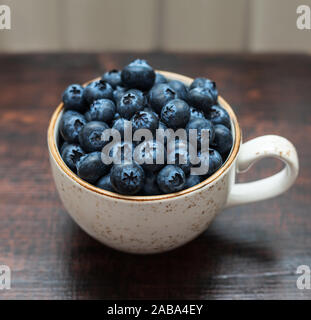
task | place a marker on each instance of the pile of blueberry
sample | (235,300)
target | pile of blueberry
(148,100)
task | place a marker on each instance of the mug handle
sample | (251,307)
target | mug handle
(257,149)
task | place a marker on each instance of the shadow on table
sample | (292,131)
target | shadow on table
(189,272)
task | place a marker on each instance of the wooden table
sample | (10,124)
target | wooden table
(249,252)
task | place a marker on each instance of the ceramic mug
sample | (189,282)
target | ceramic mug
(152,224)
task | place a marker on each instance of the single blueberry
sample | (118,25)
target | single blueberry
(204,83)
(144,120)
(180,88)
(105,183)
(171,179)
(139,75)
(73,98)
(192,181)
(90,136)
(215,161)
(131,102)
(101,110)
(159,78)
(113,77)
(150,187)
(70,125)
(219,115)
(90,167)
(159,95)
(71,154)
(98,89)
(195,113)
(223,140)
(127,178)
(199,125)
(176,114)
(202,98)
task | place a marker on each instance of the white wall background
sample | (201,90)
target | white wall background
(172,25)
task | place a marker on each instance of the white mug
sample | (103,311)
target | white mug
(153,224)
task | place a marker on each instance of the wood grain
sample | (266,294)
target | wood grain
(249,252)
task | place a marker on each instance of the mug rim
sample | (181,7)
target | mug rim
(54,151)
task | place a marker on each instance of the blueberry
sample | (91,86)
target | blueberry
(139,75)
(192,181)
(215,161)
(121,125)
(98,89)
(118,92)
(151,155)
(73,98)
(179,156)
(180,88)
(91,167)
(71,124)
(113,77)
(127,178)
(204,83)
(150,187)
(212,159)
(176,114)
(199,125)
(144,120)
(195,113)
(202,98)
(223,140)
(171,179)
(71,154)
(160,95)
(159,78)
(131,102)
(101,110)
(90,136)
(219,115)
(105,183)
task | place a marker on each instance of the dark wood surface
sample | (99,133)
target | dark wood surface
(249,252)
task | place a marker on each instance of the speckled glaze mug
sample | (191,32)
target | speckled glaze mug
(153,224)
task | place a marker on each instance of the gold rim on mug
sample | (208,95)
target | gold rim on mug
(169,75)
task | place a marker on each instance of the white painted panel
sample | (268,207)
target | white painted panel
(110,24)
(205,25)
(179,25)
(85,25)
(35,26)
(273,26)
